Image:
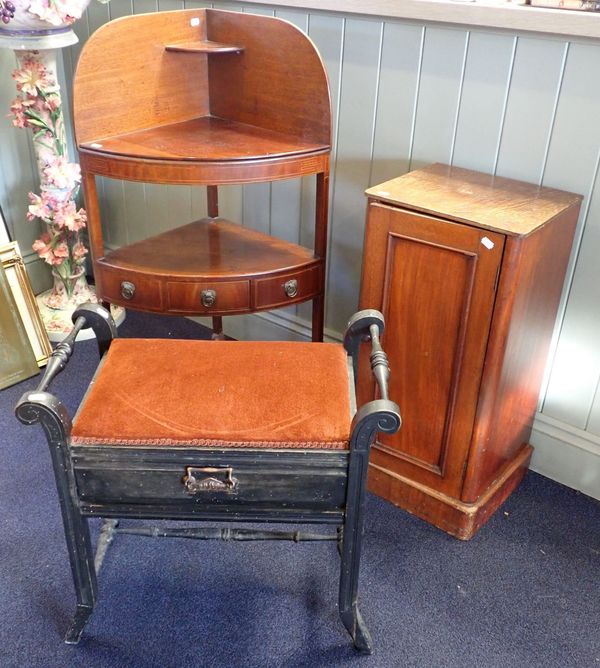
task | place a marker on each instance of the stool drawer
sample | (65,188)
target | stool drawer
(319,484)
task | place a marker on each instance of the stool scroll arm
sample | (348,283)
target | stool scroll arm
(44,408)
(371,418)
(100,320)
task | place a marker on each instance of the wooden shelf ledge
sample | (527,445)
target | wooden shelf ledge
(203,46)
(210,248)
(205,139)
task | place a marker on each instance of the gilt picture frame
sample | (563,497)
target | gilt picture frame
(18,281)
(4,235)
(17,360)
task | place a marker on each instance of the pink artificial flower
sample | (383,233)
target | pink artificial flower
(30,79)
(67,216)
(61,252)
(19,120)
(21,104)
(44,10)
(79,252)
(52,102)
(43,247)
(19,109)
(39,208)
(61,173)
(69,8)
(56,12)
(31,60)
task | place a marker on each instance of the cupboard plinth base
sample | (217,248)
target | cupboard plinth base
(459,519)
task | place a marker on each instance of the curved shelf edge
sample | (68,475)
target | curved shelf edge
(204,173)
(203,46)
(206,294)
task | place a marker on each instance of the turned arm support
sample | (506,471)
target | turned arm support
(380,365)
(364,326)
(60,356)
(380,414)
(86,315)
(31,403)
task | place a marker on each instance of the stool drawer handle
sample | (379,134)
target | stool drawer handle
(219,479)
(208,298)
(127,290)
(291,288)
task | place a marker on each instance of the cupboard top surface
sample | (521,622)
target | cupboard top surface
(492,202)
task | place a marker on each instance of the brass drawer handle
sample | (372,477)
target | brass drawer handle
(291,288)
(127,290)
(218,479)
(208,298)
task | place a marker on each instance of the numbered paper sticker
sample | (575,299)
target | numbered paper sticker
(488,243)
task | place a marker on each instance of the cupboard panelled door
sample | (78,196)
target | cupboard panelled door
(435,283)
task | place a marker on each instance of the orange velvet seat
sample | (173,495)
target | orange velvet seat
(152,392)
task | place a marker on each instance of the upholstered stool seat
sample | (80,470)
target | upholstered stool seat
(152,392)
(214,430)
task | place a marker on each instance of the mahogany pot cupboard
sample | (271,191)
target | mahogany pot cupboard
(204,97)
(467,270)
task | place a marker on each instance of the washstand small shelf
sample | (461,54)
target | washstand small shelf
(209,98)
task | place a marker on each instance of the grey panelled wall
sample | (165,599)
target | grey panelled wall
(405,95)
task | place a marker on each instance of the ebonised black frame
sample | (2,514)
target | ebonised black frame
(327,487)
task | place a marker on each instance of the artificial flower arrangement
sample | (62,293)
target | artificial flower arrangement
(38,107)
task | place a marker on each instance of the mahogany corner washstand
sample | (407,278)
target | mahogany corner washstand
(204,97)
(467,269)
(196,440)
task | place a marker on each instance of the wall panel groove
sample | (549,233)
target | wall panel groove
(460,94)
(376,102)
(554,111)
(513,54)
(416,98)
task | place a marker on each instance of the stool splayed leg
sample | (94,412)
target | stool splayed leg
(315,474)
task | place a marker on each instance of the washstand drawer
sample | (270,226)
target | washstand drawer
(138,292)
(287,288)
(208,297)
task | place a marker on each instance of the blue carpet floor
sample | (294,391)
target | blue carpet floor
(524,592)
